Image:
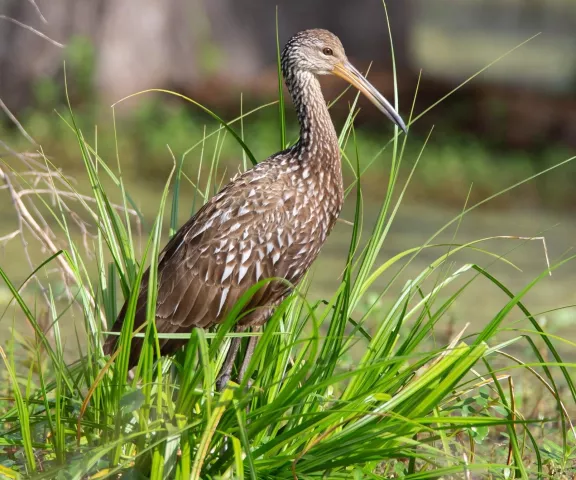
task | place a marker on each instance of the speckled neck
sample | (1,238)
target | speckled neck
(318,140)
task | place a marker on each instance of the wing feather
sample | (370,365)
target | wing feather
(241,236)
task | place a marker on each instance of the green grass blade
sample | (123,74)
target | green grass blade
(281,106)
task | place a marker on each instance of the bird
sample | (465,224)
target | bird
(269,222)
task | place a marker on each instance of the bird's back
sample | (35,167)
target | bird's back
(269,222)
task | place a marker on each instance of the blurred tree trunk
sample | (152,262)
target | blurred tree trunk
(143,44)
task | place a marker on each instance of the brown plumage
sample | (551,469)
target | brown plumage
(269,222)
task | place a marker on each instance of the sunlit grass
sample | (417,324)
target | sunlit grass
(413,405)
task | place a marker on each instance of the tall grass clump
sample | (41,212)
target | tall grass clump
(345,387)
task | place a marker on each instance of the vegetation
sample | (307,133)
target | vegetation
(454,160)
(346,387)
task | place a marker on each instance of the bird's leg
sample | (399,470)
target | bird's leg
(246,361)
(228,363)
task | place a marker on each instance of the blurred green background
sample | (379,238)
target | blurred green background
(513,120)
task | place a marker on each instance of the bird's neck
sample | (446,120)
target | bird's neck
(318,140)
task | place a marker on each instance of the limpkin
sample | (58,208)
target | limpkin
(269,222)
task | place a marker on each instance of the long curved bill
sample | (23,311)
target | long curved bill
(349,73)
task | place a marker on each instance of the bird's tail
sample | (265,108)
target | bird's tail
(111,343)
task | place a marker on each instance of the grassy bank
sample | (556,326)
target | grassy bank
(418,399)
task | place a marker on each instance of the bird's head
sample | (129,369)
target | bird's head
(320,52)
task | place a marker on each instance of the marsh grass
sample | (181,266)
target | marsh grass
(411,406)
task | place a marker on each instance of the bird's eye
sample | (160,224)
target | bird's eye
(327,51)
